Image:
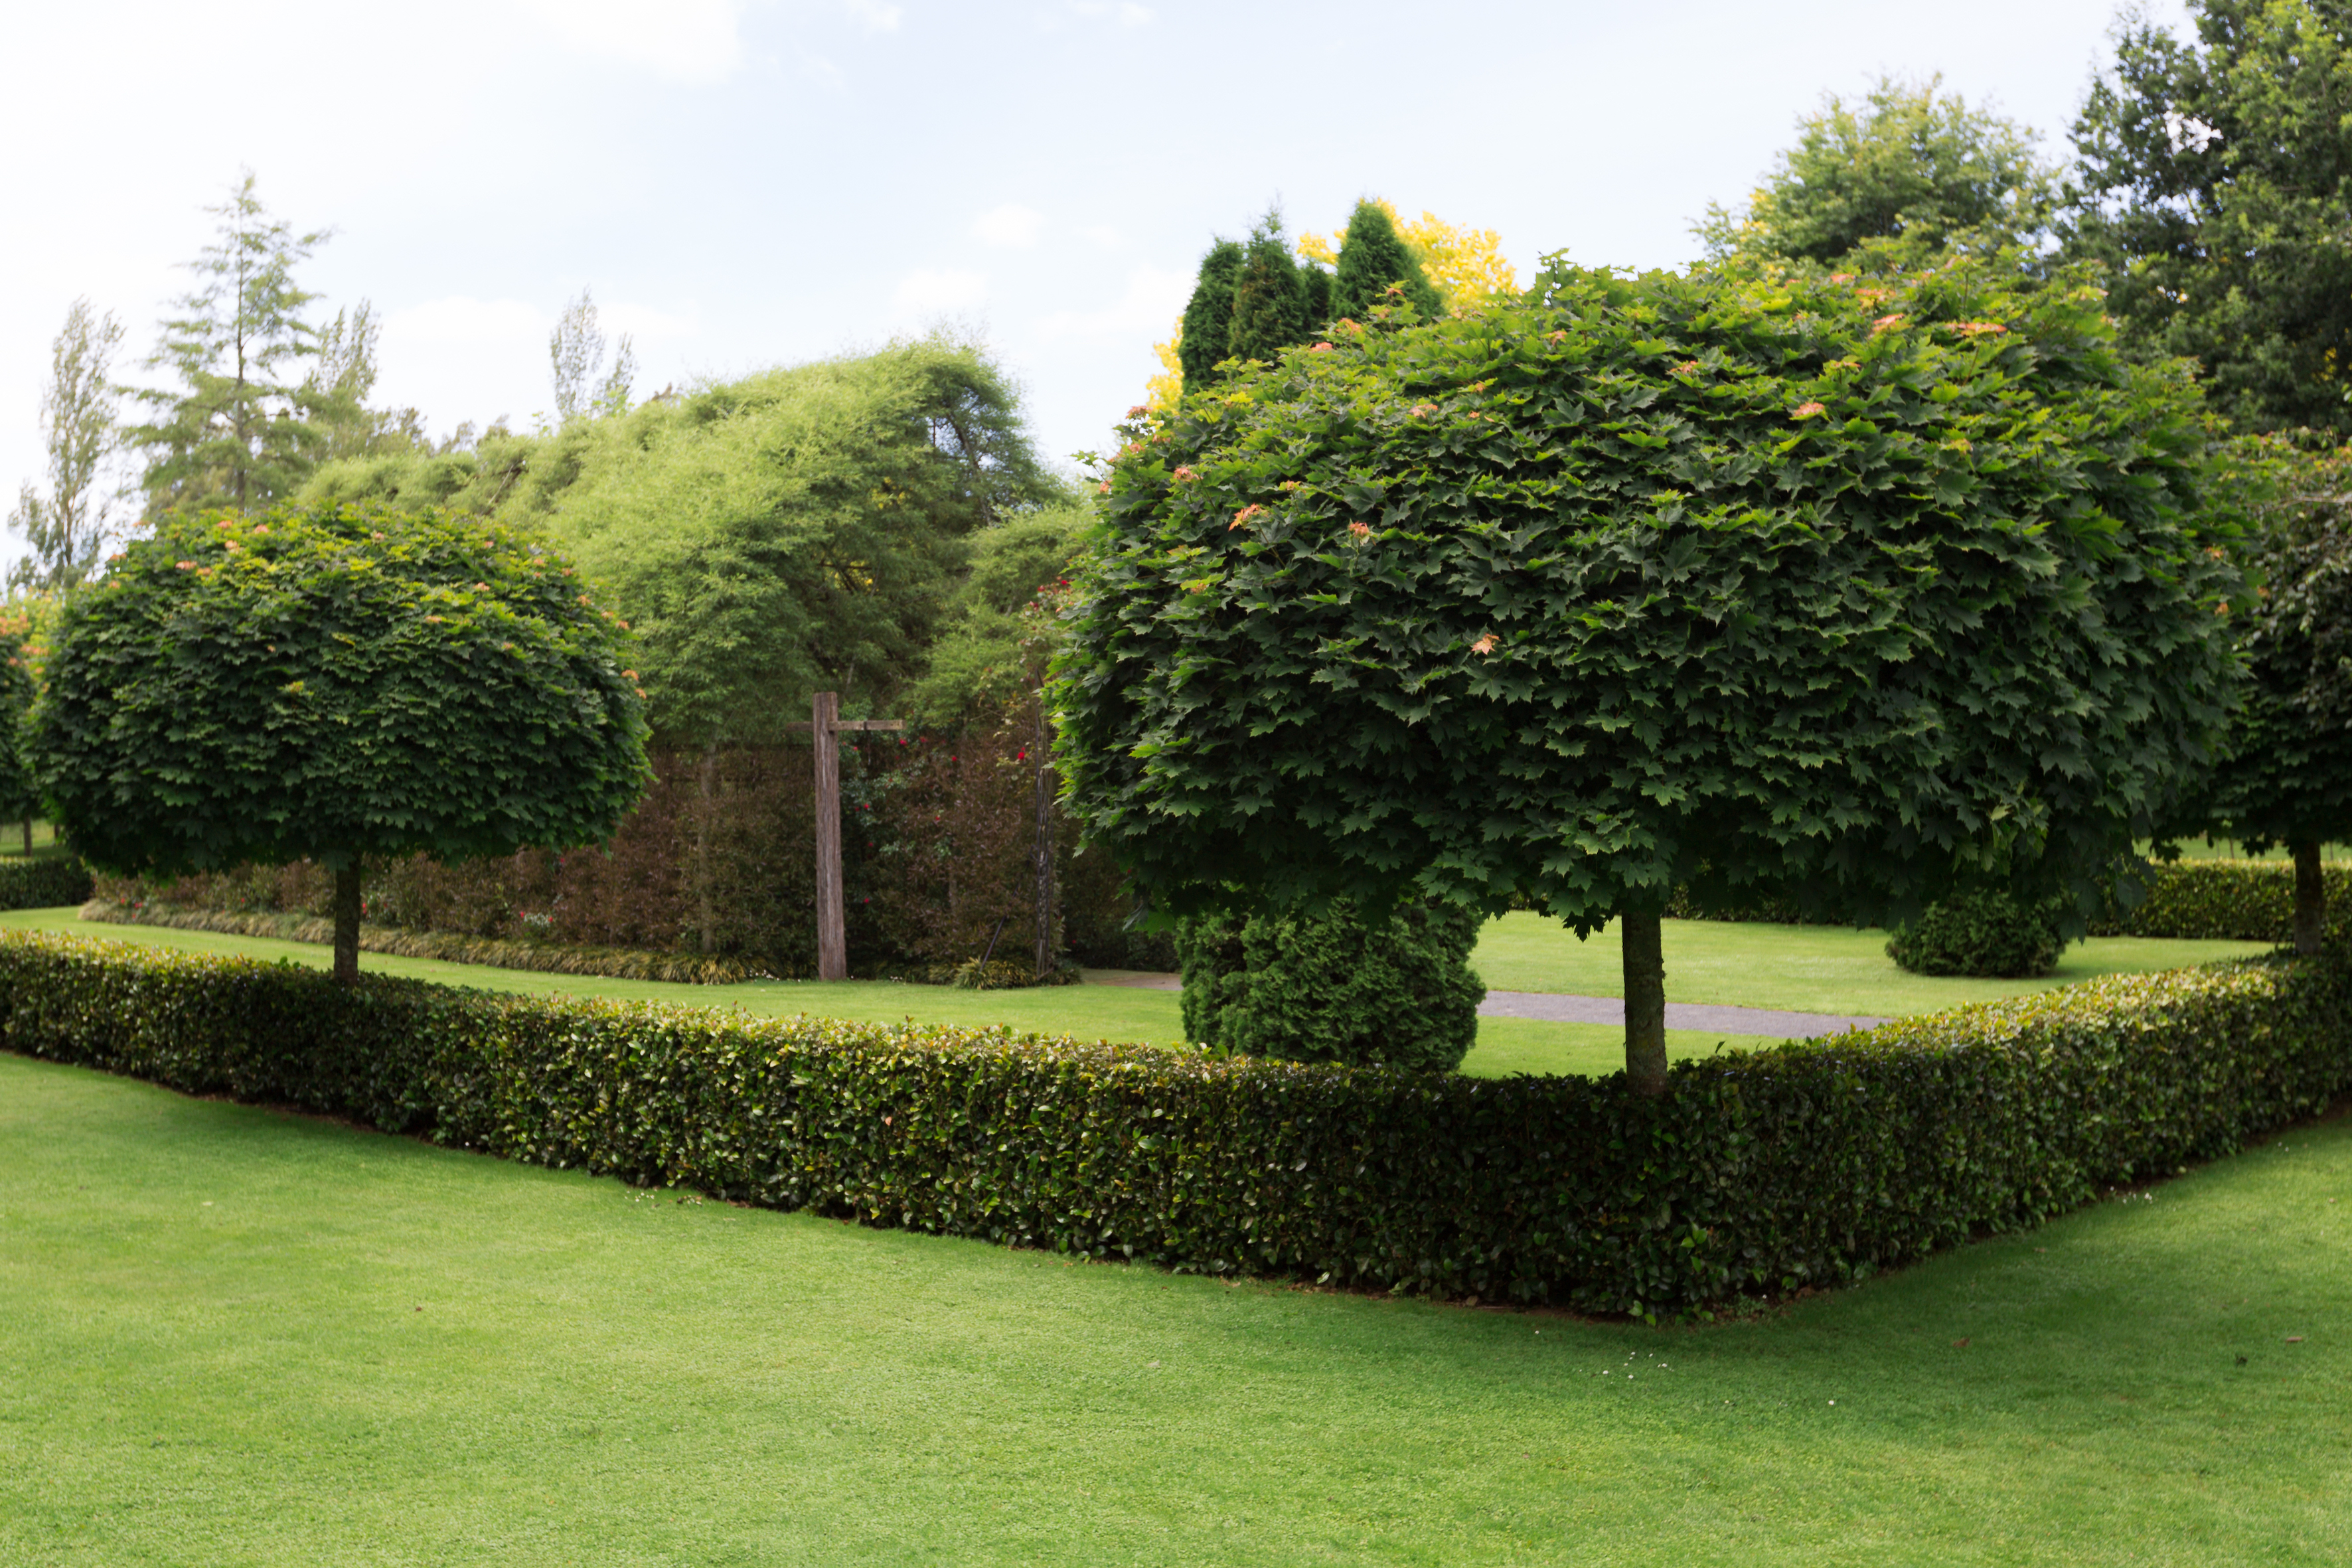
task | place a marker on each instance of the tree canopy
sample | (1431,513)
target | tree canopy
(1373,258)
(1467,265)
(331,682)
(999,631)
(65,529)
(1273,309)
(239,429)
(803,528)
(2215,176)
(1842,593)
(2288,778)
(1208,320)
(1906,172)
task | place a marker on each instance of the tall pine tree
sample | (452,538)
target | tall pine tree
(1209,315)
(1372,257)
(237,430)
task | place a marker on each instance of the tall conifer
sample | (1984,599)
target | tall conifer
(1269,298)
(1372,257)
(1317,285)
(1208,317)
(239,431)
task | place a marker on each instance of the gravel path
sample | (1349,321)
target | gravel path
(1695,1015)
(1679,1014)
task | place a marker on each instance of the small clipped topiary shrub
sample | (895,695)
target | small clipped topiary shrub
(1985,932)
(1336,988)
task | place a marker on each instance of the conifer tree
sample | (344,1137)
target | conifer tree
(1209,315)
(238,432)
(1318,284)
(1269,297)
(1372,257)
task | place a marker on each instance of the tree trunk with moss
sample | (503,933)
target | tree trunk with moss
(1645,1002)
(2310,898)
(347,923)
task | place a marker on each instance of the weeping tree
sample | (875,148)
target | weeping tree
(332,683)
(1857,596)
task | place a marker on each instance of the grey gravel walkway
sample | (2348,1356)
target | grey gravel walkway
(1679,1014)
(1562,1009)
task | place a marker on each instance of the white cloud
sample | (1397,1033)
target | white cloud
(877,16)
(1154,298)
(930,292)
(679,40)
(1104,236)
(1129,15)
(1008,224)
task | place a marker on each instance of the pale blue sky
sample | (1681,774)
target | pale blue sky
(746,183)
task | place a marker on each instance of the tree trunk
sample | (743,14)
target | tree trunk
(2310,898)
(1645,1002)
(28,837)
(347,923)
(1045,853)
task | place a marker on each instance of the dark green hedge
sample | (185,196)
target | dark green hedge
(2237,900)
(43,884)
(1819,1163)
(1983,932)
(1333,987)
(448,947)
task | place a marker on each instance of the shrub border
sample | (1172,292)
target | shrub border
(546,958)
(1760,1172)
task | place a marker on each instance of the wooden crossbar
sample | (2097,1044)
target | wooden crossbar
(804,726)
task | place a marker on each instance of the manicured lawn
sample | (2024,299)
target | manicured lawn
(234,1336)
(1822,969)
(2230,850)
(1809,969)
(45,841)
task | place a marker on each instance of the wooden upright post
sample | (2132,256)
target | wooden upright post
(832,938)
(824,724)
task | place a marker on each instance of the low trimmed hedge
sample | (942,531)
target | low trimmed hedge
(539,957)
(2229,900)
(43,884)
(1812,1164)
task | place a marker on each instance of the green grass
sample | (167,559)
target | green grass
(230,1336)
(2230,850)
(45,841)
(1809,968)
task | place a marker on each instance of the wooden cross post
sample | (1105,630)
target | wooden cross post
(824,723)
